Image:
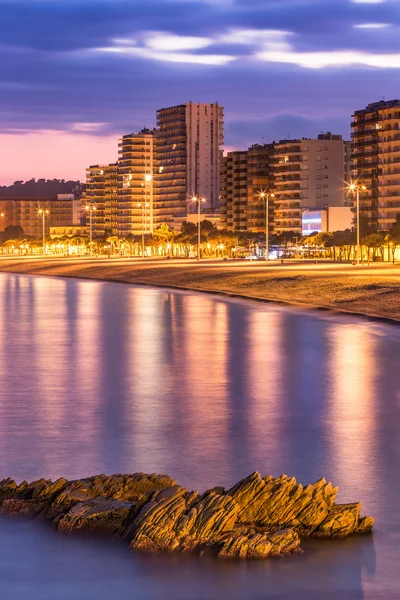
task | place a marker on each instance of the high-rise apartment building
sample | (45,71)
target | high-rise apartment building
(102,191)
(244,175)
(137,181)
(376,161)
(259,179)
(233,191)
(189,150)
(307,173)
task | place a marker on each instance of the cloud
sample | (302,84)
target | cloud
(173,57)
(372,26)
(319,60)
(100,68)
(167,42)
(87,127)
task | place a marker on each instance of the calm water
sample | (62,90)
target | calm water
(98,377)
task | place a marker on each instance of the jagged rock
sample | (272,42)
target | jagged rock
(8,488)
(342,520)
(365,525)
(257,518)
(97,514)
(282,501)
(154,526)
(22,508)
(284,541)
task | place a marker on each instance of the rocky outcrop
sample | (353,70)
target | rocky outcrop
(257,518)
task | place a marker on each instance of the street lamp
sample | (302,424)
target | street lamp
(90,208)
(43,212)
(267,196)
(199,201)
(358,187)
(143,206)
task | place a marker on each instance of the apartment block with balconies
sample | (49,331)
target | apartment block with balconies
(307,173)
(287,168)
(189,151)
(259,179)
(244,175)
(102,192)
(137,181)
(376,161)
(234,191)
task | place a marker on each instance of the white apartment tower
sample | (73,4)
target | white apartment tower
(189,150)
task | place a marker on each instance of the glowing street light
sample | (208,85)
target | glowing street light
(267,196)
(357,188)
(90,208)
(199,201)
(43,212)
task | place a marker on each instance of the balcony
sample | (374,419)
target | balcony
(359,155)
(389,183)
(364,132)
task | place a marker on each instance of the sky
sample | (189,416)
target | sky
(77,74)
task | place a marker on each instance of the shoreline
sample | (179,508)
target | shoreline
(372,292)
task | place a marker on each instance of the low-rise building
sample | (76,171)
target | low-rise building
(327,220)
(66,231)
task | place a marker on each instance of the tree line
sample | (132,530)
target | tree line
(164,241)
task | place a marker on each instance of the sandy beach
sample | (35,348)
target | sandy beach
(372,290)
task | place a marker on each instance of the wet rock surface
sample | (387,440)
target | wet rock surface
(259,517)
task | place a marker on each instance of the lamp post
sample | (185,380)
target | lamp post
(43,212)
(143,206)
(199,201)
(357,188)
(90,208)
(267,196)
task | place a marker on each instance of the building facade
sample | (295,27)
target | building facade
(102,192)
(376,161)
(233,192)
(307,173)
(63,211)
(244,175)
(137,181)
(327,220)
(66,210)
(189,151)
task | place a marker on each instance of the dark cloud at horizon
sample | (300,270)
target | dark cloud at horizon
(104,67)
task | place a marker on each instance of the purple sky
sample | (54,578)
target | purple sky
(76,74)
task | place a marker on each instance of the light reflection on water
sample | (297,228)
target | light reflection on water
(110,378)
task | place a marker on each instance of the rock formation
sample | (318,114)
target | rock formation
(257,518)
